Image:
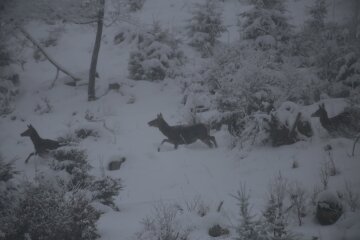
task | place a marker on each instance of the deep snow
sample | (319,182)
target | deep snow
(174,176)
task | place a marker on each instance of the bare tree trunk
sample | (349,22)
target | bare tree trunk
(95,54)
(356,19)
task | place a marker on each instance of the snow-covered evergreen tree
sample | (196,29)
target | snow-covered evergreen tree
(331,51)
(249,228)
(157,56)
(205,26)
(275,213)
(317,13)
(266,23)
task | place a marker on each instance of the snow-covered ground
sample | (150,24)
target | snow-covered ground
(170,176)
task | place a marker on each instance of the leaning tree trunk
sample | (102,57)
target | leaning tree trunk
(95,54)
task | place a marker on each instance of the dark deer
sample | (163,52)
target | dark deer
(41,146)
(182,134)
(343,124)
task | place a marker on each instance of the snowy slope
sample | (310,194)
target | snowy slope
(171,176)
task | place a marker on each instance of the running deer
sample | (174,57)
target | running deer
(41,146)
(182,134)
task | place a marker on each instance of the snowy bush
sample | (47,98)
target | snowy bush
(163,224)
(7,170)
(331,51)
(157,56)
(248,84)
(78,135)
(243,79)
(105,190)
(43,209)
(329,208)
(74,162)
(205,26)
(47,211)
(249,80)
(266,23)
(8,196)
(8,92)
(83,133)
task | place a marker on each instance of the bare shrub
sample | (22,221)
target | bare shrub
(324,174)
(163,225)
(351,197)
(314,195)
(331,167)
(298,201)
(44,106)
(198,206)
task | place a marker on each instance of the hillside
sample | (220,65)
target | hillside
(193,180)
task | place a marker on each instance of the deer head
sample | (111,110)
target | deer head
(28,132)
(320,112)
(157,121)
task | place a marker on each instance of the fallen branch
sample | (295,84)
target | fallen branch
(50,59)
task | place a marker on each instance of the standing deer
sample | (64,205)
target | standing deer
(343,124)
(182,134)
(41,146)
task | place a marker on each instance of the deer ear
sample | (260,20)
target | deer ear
(29,125)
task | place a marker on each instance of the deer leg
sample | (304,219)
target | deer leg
(30,155)
(207,142)
(212,138)
(163,141)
